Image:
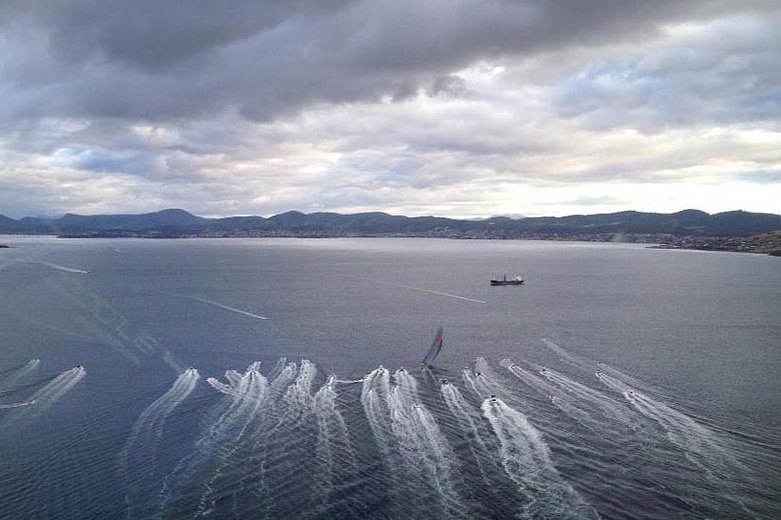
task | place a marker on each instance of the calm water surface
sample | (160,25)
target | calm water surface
(266,379)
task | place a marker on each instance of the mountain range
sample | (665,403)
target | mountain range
(180,223)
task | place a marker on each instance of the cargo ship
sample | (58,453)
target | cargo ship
(517,280)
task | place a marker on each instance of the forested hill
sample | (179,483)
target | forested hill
(180,223)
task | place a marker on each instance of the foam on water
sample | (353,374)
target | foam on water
(137,459)
(526,460)
(288,446)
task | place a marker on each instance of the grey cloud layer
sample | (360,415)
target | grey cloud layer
(162,58)
(729,72)
(452,107)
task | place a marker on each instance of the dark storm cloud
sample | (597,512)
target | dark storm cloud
(153,34)
(157,59)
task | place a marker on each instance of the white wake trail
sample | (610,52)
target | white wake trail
(375,395)
(289,397)
(680,429)
(150,423)
(597,400)
(247,397)
(233,415)
(481,382)
(526,460)
(470,378)
(334,450)
(22,414)
(16,405)
(58,387)
(524,453)
(616,384)
(298,396)
(558,397)
(438,293)
(251,396)
(458,407)
(283,378)
(218,385)
(20,373)
(274,414)
(575,359)
(372,399)
(422,444)
(63,268)
(229,308)
(275,445)
(26,258)
(531,379)
(137,459)
(267,428)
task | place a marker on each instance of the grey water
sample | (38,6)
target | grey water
(280,378)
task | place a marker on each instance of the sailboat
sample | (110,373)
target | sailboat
(433,351)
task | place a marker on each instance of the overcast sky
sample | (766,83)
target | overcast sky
(460,108)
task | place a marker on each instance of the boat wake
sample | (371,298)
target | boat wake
(228,308)
(17,405)
(63,268)
(137,459)
(527,461)
(438,293)
(42,399)
(530,442)
(12,376)
(58,387)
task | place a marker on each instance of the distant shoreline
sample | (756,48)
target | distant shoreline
(768,244)
(640,226)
